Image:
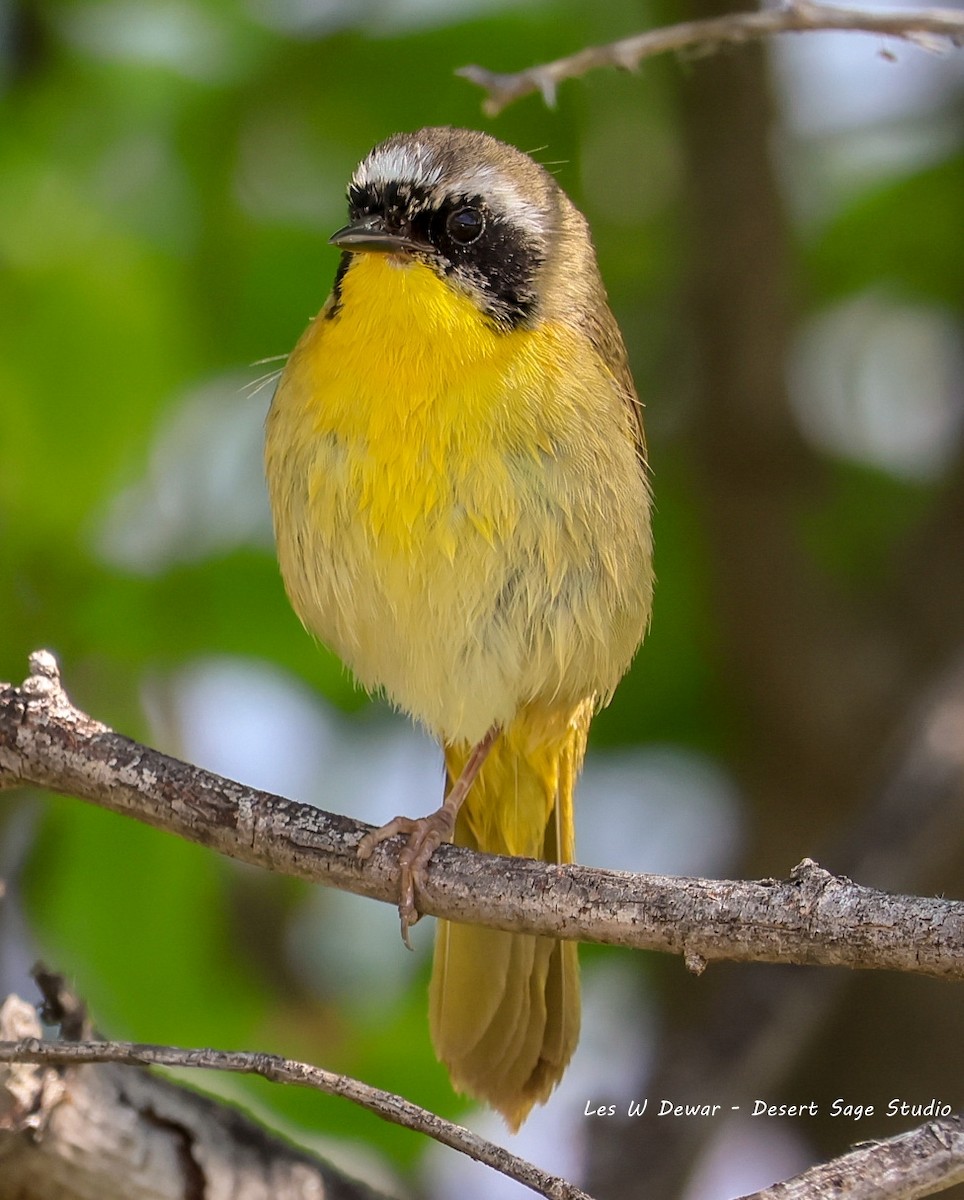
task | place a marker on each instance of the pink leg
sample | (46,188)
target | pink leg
(426,834)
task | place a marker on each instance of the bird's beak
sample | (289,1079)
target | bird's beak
(370,234)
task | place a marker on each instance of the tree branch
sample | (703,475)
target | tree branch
(272,1067)
(813,917)
(914,1164)
(921,1162)
(121,1134)
(931,29)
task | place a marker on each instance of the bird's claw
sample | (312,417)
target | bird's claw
(425,835)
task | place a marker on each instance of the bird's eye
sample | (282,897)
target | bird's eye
(465,225)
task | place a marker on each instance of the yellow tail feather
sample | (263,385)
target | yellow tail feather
(504,1007)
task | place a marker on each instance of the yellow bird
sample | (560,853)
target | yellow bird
(457,472)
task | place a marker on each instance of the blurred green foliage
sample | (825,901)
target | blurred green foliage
(169,175)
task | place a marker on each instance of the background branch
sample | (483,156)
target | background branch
(284,1070)
(930,28)
(32,1106)
(813,917)
(914,1164)
(918,1163)
(122,1134)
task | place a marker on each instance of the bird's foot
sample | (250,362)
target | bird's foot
(425,835)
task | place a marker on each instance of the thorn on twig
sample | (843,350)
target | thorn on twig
(939,1133)
(44,665)
(931,29)
(694,962)
(810,871)
(44,678)
(625,58)
(547,88)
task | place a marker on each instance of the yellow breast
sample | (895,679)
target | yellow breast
(459,511)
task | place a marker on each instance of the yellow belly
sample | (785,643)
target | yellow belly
(460,513)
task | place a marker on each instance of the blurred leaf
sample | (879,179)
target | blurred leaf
(863,516)
(907,234)
(139,919)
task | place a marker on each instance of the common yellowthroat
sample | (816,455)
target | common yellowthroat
(457,472)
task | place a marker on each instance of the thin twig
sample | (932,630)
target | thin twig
(919,1163)
(273,1067)
(813,917)
(930,29)
(911,1165)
